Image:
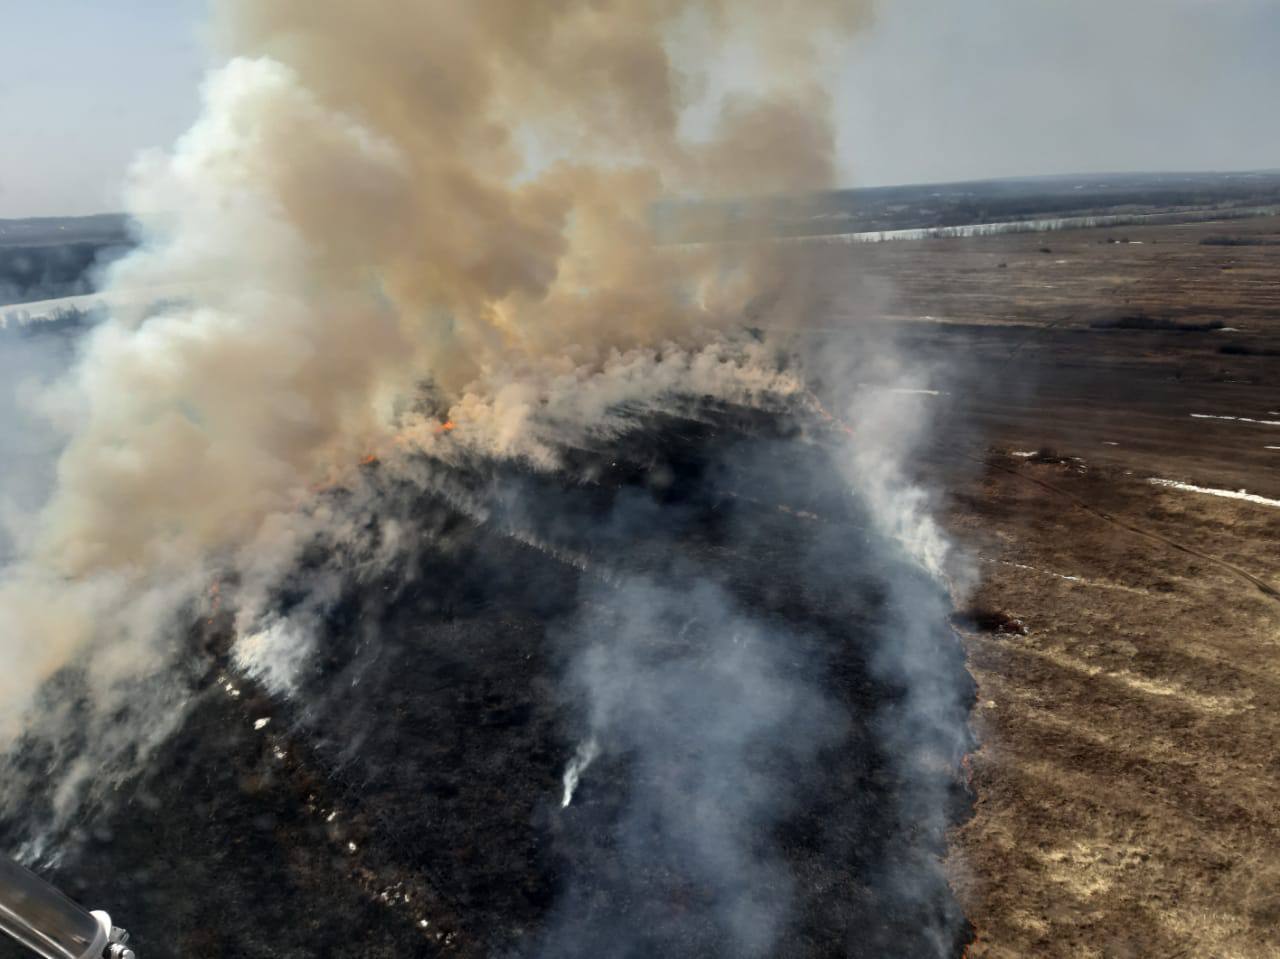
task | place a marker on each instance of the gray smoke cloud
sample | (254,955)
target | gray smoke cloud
(385,217)
(704,698)
(30,359)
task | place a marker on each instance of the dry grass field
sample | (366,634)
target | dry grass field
(1124,636)
(1129,674)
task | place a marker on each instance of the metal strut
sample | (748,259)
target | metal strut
(38,916)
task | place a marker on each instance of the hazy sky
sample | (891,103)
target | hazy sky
(936,90)
(963,89)
(84,84)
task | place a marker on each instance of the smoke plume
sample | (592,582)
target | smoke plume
(703,696)
(387,216)
(424,232)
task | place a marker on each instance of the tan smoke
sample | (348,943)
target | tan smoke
(394,199)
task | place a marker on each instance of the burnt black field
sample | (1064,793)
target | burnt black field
(779,761)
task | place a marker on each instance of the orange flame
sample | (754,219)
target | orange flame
(215,601)
(826,415)
(373,459)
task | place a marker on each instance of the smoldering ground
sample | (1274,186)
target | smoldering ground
(709,687)
(702,595)
(738,602)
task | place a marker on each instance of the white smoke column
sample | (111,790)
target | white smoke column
(887,424)
(583,757)
(274,655)
(385,212)
(887,401)
(695,692)
(889,414)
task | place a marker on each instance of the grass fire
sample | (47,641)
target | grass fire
(497,491)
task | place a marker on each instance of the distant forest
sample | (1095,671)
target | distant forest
(47,272)
(42,259)
(931,206)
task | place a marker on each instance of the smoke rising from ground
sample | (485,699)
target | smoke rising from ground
(382,213)
(417,232)
(704,697)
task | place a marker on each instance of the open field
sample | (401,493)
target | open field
(1121,634)
(1129,684)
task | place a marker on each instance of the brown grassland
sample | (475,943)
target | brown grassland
(1129,662)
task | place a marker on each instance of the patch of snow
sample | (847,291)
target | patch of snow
(902,390)
(1044,572)
(1244,495)
(1237,419)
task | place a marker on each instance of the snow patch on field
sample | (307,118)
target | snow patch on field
(1093,583)
(1244,495)
(1237,419)
(903,390)
(1070,579)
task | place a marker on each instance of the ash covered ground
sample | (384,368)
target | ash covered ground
(774,700)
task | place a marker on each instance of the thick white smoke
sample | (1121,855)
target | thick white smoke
(388,216)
